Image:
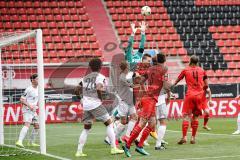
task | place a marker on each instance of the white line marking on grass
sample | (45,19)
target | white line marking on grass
(213,134)
(37,152)
(219,157)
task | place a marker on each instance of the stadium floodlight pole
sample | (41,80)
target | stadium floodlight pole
(41,91)
(1,105)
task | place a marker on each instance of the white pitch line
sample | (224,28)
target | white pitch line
(213,134)
(219,157)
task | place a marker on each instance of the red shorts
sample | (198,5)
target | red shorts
(148,109)
(193,104)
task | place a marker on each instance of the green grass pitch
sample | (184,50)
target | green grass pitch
(62,141)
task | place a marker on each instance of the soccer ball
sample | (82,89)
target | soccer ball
(146,11)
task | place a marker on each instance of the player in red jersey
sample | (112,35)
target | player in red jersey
(197,85)
(156,80)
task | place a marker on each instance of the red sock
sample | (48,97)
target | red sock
(135,132)
(145,134)
(206,118)
(194,125)
(185,125)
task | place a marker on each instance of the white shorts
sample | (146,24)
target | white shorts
(162,111)
(125,109)
(100,113)
(30,117)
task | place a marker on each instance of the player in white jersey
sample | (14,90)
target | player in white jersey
(126,106)
(29,101)
(161,115)
(92,88)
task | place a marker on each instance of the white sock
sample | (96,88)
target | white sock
(23,133)
(161,132)
(119,129)
(82,139)
(238,121)
(33,135)
(111,135)
(130,127)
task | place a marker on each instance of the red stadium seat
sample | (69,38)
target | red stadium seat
(95,46)
(182,51)
(48,39)
(236,29)
(92,39)
(228,57)
(210,73)
(236,57)
(232,65)
(57,39)
(74,39)
(66,39)
(63,32)
(53,54)
(84,18)
(68,46)
(227,73)
(71,31)
(163,30)
(219,73)
(80,31)
(223,80)
(231,80)
(236,43)
(232,36)
(83,39)
(236,73)
(213,80)
(54,32)
(69,25)
(220,29)
(89,31)
(216,36)
(185,59)
(46,32)
(154,31)
(212,29)
(232,50)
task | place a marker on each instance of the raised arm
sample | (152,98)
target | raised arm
(180,77)
(128,52)
(143,27)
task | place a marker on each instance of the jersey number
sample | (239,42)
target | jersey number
(151,79)
(90,83)
(195,76)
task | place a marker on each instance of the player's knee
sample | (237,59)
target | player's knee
(142,122)
(152,124)
(36,126)
(134,117)
(195,117)
(27,124)
(163,122)
(108,122)
(87,126)
(124,120)
(206,112)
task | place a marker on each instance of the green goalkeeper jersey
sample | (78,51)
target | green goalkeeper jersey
(133,59)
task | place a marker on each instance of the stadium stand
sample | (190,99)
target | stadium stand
(67,30)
